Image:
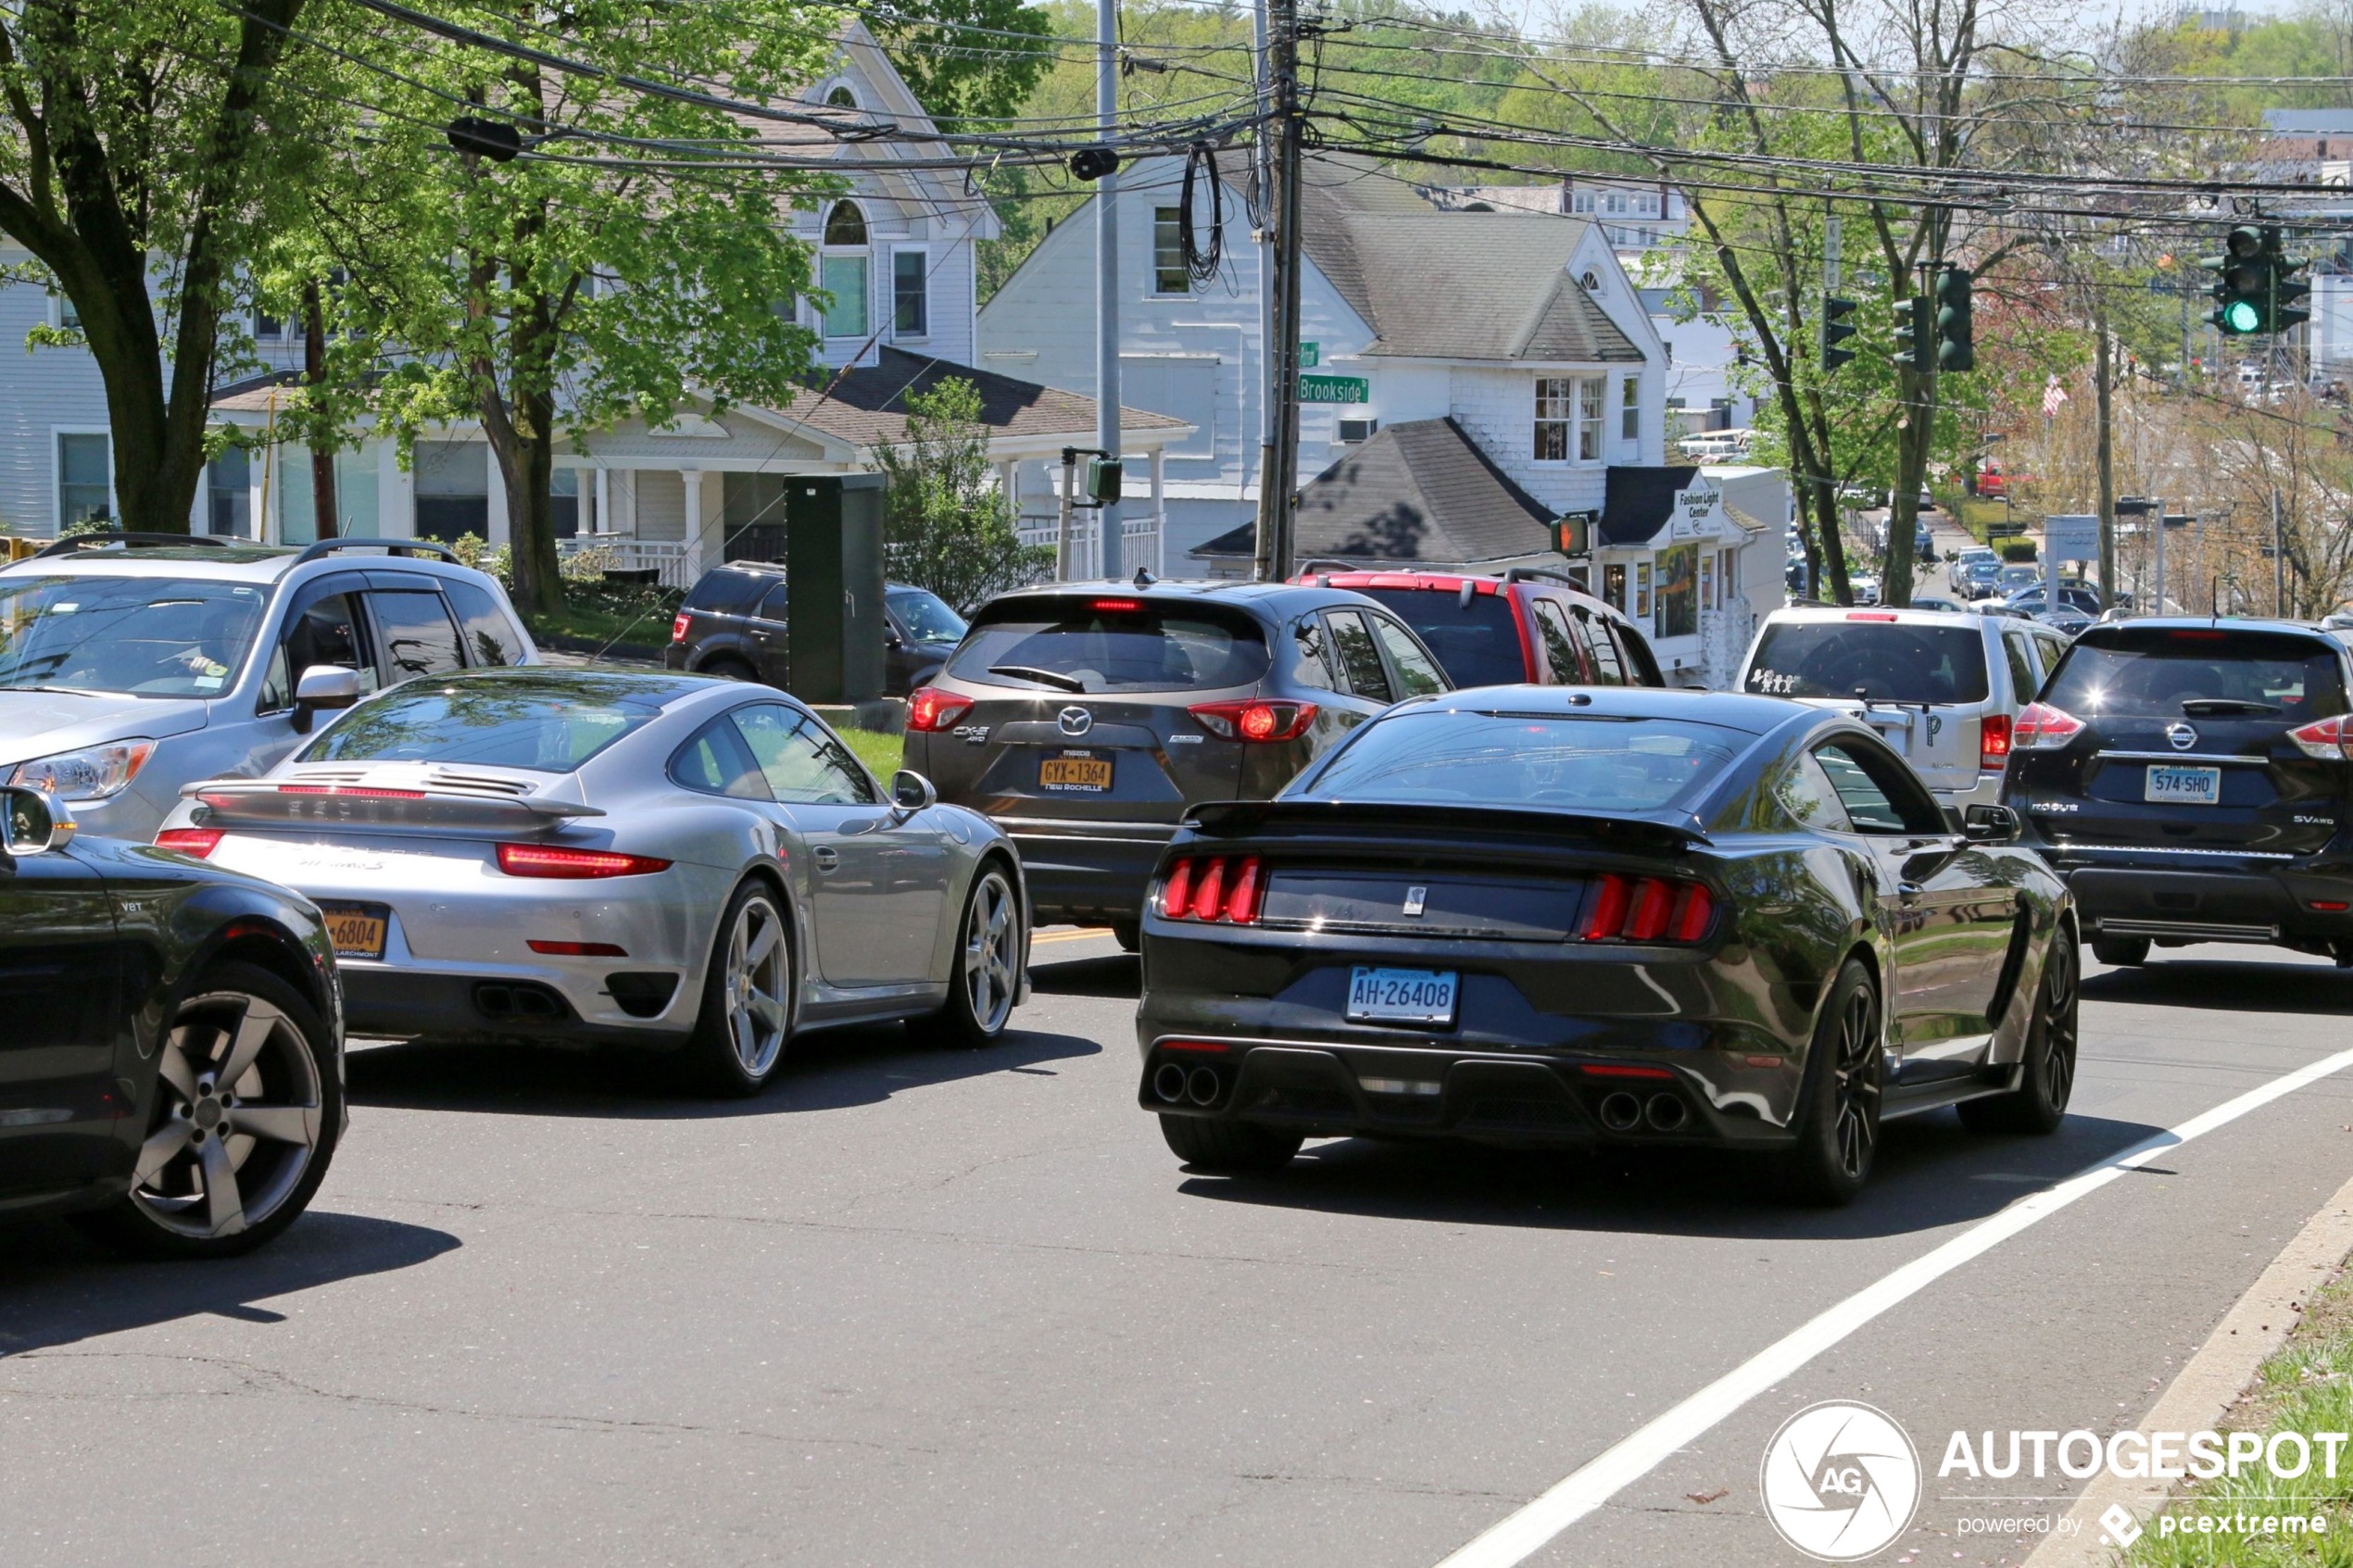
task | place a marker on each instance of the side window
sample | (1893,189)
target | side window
(1313,665)
(1872,804)
(777,606)
(801,763)
(717,763)
(1359,659)
(2022,679)
(1805,793)
(1415,670)
(2052,649)
(327,632)
(1609,669)
(1559,643)
(490,636)
(418,636)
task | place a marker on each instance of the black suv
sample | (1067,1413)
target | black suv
(2192,780)
(733,625)
(1086,718)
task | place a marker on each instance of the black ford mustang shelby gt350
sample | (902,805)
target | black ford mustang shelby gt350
(1543,914)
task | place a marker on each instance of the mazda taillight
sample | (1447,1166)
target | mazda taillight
(931,709)
(196,841)
(1221,888)
(1646,908)
(2331,740)
(680,625)
(1994,742)
(1252,720)
(2041,727)
(575,865)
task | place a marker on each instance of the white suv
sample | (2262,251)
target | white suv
(134,663)
(1941,687)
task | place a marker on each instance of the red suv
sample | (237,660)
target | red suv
(1524,626)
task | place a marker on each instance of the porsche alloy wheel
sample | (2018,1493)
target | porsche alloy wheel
(991,944)
(746,1007)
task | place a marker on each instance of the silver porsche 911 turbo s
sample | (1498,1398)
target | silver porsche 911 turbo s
(672,861)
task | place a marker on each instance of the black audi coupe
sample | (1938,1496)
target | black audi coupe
(1529,915)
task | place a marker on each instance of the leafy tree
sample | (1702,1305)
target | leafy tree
(967,59)
(948,526)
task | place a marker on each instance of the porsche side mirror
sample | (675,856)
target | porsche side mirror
(33,821)
(323,686)
(911,792)
(1990,825)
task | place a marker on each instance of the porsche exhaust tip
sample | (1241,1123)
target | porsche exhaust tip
(1169,1084)
(1666,1113)
(1621,1112)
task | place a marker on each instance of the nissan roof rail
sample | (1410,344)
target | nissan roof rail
(127,538)
(325,548)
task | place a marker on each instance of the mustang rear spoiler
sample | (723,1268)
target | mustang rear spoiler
(1357,816)
(294,802)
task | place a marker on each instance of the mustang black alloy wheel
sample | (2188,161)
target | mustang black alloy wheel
(1838,1111)
(2039,1103)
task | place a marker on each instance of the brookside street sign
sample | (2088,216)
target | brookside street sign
(1335,389)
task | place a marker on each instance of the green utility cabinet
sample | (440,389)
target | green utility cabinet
(827,529)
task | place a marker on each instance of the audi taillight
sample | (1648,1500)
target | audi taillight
(1994,742)
(574,865)
(198,841)
(1252,720)
(931,709)
(2041,727)
(680,625)
(1646,908)
(1223,888)
(2331,740)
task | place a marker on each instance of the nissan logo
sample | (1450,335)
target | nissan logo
(1075,720)
(2182,735)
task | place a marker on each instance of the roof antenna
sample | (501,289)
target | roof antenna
(1144,579)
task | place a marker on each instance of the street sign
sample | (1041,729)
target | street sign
(2072,538)
(1335,389)
(1309,356)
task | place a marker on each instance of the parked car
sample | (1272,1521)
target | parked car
(1649,918)
(2078,606)
(2014,576)
(1963,574)
(2193,782)
(1863,587)
(1937,601)
(171,1072)
(1941,688)
(1085,719)
(1500,630)
(734,619)
(664,861)
(135,663)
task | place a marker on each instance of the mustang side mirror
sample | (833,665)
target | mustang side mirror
(911,792)
(323,686)
(33,821)
(1990,825)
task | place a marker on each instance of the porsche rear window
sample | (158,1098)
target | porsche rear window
(549,727)
(1111,645)
(1430,756)
(1882,660)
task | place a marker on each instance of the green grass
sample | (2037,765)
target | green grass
(2306,1386)
(882,754)
(605,620)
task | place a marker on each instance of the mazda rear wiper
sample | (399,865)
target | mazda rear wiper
(2219,707)
(1043,677)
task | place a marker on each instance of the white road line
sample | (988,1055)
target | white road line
(1525,1533)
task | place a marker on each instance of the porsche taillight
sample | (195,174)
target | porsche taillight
(1224,889)
(574,865)
(1646,908)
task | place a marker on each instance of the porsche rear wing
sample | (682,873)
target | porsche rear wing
(293,803)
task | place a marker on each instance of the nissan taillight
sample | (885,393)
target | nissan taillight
(2041,727)
(1646,908)
(1253,720)
(1994,742)
(1222,888)
(931,709)
(2331,740)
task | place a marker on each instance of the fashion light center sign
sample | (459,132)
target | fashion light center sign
(1698,514)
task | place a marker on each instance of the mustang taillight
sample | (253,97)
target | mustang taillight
(2331,740)
(554,860)
(1994,742)
(1251,719)
(198,841)
(2041,727)
(1223,889)
(1645,909)
(680,625)
(931,709)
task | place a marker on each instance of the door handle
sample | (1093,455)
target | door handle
(827,860)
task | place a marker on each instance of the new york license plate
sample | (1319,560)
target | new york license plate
(1074,772)
(2183,786)
(1400,996)
(357,930)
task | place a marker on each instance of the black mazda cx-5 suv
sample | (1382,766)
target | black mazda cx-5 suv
(2193,782)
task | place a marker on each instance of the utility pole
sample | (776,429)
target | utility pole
(1262,160)
(2279,560)
(1107,276)
(2103,376)
(1278,458)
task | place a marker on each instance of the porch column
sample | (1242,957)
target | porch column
(396,493)
(1160,514)
(699,557)
(604,500)
(257,463)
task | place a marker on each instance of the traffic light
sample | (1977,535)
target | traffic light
(1956,348)
(1915,334)
(1836,330)
(2288,292)
(2241,284)
(1573,532)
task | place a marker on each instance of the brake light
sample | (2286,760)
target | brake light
(1222,889)
(1625,1070)
(1649,908)
(679,625)
(2041,727)
(1251,719)
(578,949)
(353,792)
(553,860)
(198,841)
(1117,607)
(1868,615)
(1994,742)
(2331,740)
(931,709)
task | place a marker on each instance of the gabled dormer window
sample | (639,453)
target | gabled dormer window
(842,270)
(841,97)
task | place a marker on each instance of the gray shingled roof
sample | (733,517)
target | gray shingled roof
(1421,491)
(868,405)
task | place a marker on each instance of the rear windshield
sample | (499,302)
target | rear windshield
(1477,643)
(1109,645)
(726,592)
(1886,662)
(547,726)
(2152,674)
(1572,764)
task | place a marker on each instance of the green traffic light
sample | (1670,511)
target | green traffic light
(2241,316)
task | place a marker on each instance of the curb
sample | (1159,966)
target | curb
(2211,1381)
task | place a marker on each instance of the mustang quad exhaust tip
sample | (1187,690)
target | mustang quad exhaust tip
(1169,1083)
(1666,1113)
(1621,1112)
(1203,1087)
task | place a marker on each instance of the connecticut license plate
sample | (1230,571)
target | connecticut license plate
(1400,996)
(1074,772)
(357,930)
(2184,787)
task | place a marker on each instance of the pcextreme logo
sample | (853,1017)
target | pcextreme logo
(1840,1481)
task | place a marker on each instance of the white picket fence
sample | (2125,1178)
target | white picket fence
(626,552)
(1140,542)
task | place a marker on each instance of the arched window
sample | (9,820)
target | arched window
(843,271)
(841,98)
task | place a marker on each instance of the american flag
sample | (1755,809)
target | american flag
(2053,395)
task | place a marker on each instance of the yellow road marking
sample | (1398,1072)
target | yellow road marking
(1089,933)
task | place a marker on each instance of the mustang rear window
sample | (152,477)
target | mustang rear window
(1886,661)
(546,727)
(1569,764)
(2151,673)
(1108,645)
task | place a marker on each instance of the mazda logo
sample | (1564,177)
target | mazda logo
(1075,720)
(2182,735)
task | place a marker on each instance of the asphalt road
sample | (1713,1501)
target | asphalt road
(919,1307)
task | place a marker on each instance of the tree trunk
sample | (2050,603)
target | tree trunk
(523,439)
(2103,377)
(1912,442)
(314,371)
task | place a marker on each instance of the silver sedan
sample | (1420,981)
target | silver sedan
(666,860)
